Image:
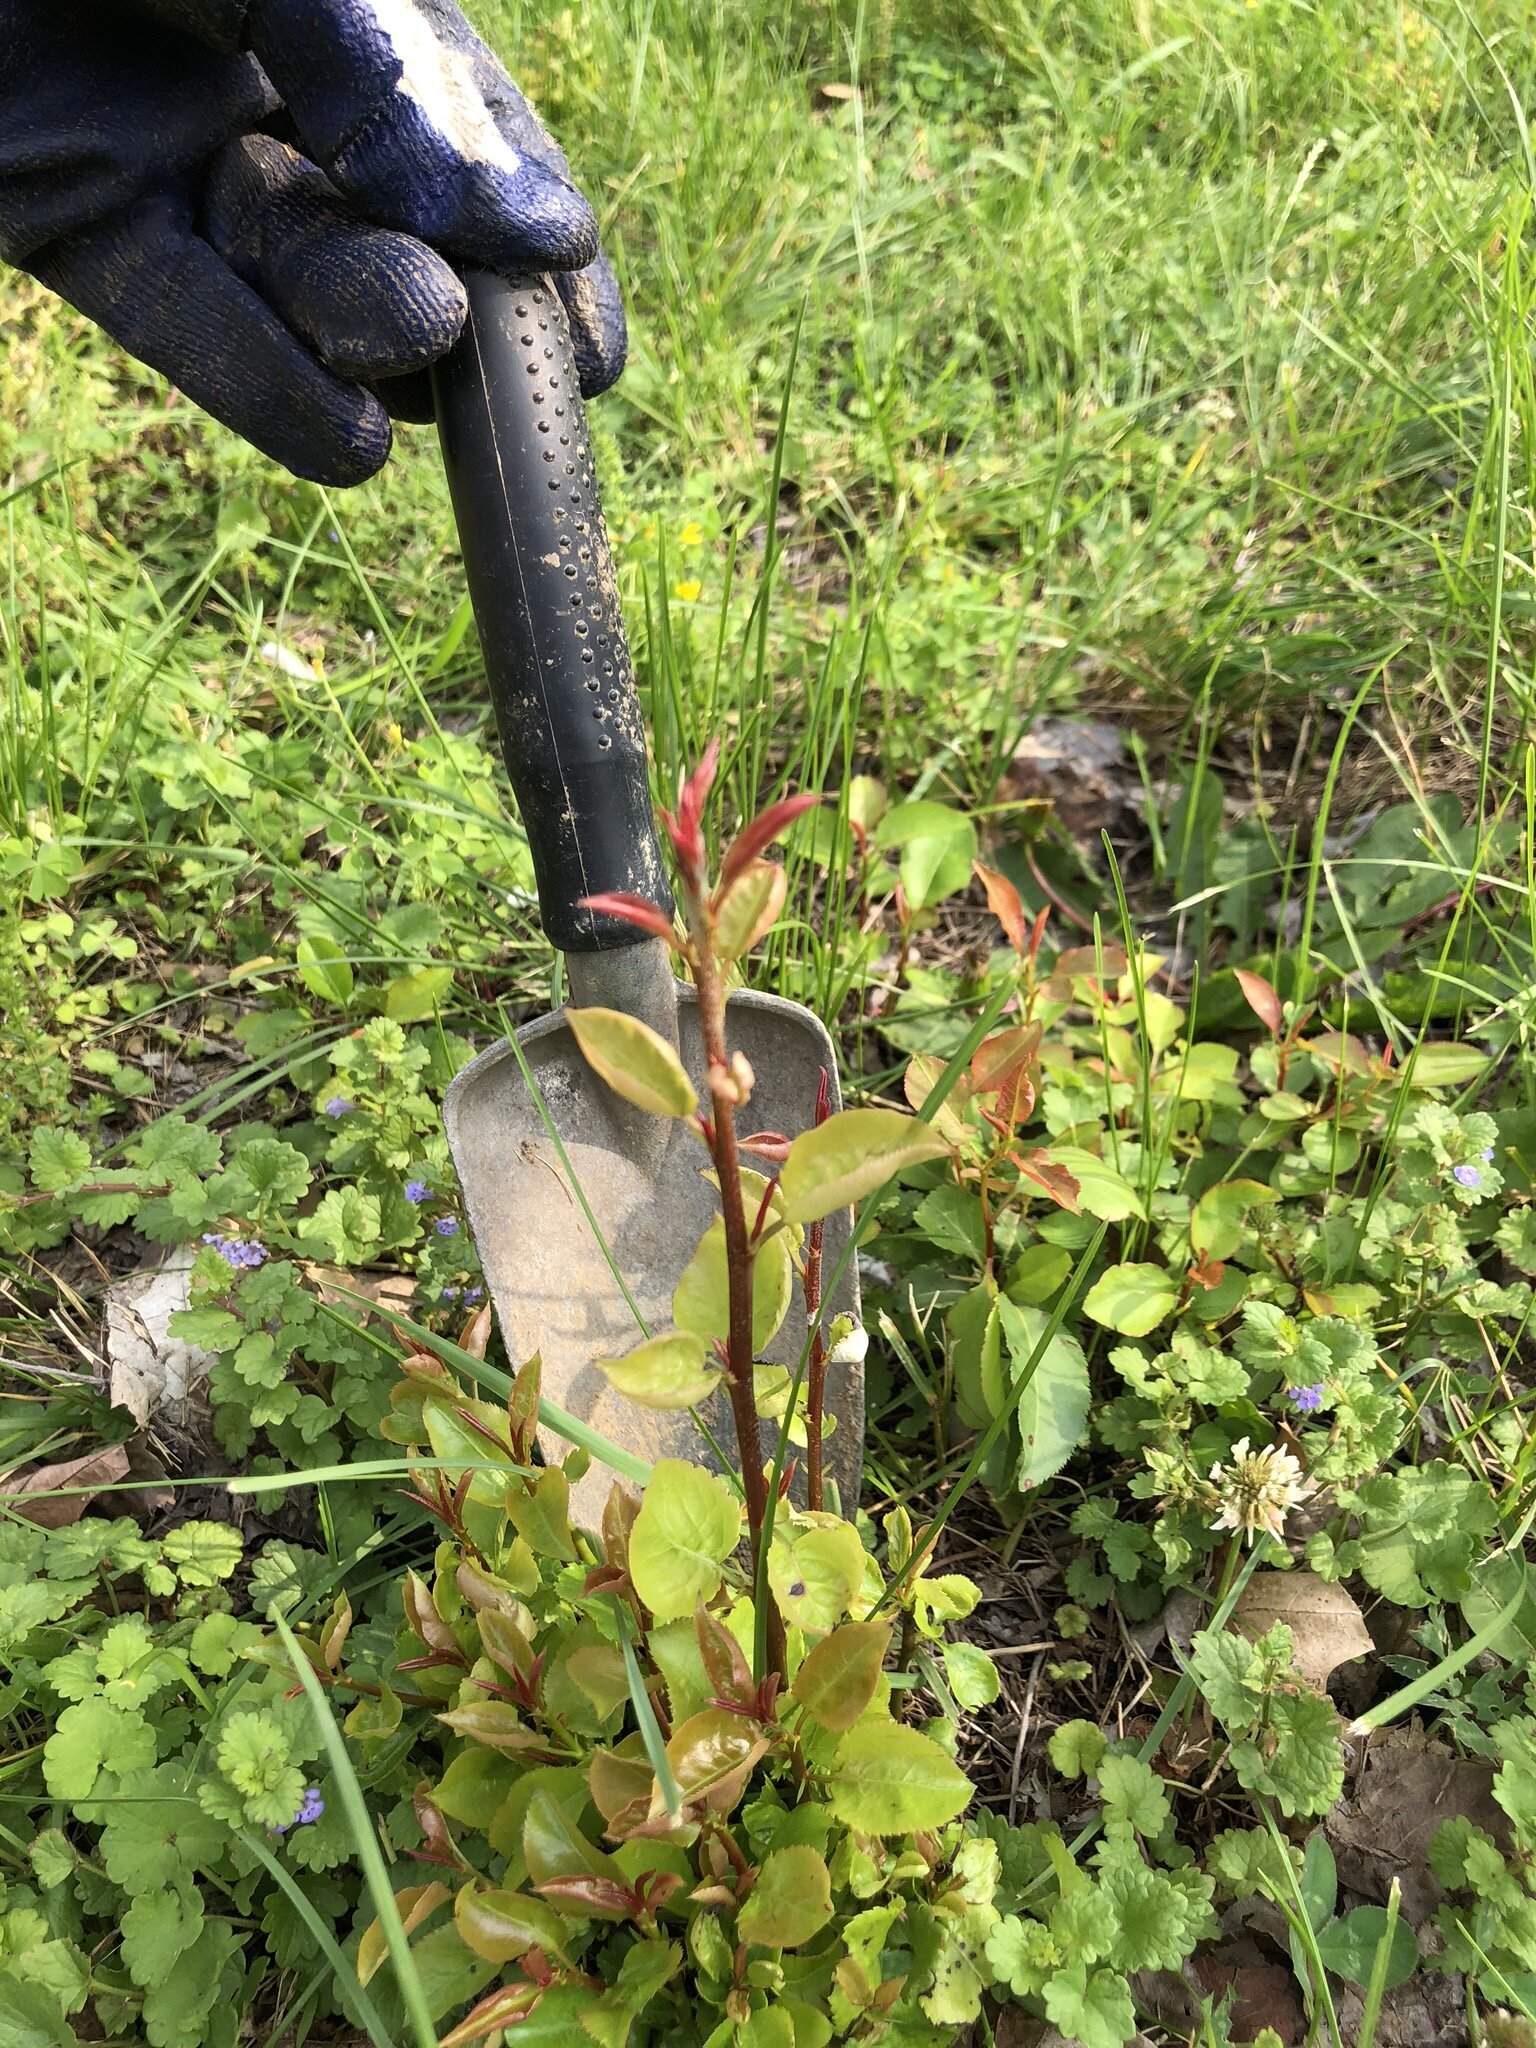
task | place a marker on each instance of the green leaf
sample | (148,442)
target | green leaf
(266,1174)
(52,1856)
(32,2016)
(665,1372)
(1133,1792)
(976,1345)
(687,1526)
(1230,1676)
(1132,1299)
(1077,1748)
(1052,1406)
(1159,1918)
(57,1158)
(1447,1066)
(1300,1761)
(345,1227)
(461,1447)
(1216,1226)
(412,998)
(324,969)
(1037,1273)
(937,848)
(701,1300)
(1319,1879)
(92,1737)
(634,1060)
(203,1553)
(815,1572)
(840,1676)
(849,1156)
(158,1928)
(503,1925)
(1349,1945)
(160,1833)
(791,1900)
(890,1780)
(1094,2009)
(951,1218)
(174,1148)
(1102,1193)
(749,908)
(254,1755)
(210,1329)
(971,1674)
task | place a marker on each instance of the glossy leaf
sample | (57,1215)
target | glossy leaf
(503,1925)
(849,1156)
(1216,1226)
(673,1370)
(1102,1193)
(688,1524)
(417,1903)
(634,1060)
(892,1780)
(1261,999)
(971,1675)
(712,1753)
(1003,902)
(748,908)
(815,1571)
(791,1900)
(1051,1406)
(1132,1299)
(325,970)
(701,1300)
(841,1675)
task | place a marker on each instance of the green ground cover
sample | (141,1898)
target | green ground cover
(1159,366)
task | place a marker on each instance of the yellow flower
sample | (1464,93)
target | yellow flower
(691,535)
(687,593)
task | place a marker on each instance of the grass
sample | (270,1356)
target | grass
(1168,362)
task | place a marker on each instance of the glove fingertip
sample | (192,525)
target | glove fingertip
(599,333)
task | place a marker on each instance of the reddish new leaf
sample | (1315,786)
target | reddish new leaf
(1003,902)
(630,909)
(1062,1187)
(1262,1000)
(760,832)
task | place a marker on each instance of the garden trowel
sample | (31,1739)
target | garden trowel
(583,1241)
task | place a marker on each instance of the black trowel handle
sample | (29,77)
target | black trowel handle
(530,523)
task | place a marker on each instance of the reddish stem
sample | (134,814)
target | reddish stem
(739,1257)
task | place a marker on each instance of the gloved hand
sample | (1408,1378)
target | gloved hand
(143,178)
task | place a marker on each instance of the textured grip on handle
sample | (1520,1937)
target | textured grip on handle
(530,522)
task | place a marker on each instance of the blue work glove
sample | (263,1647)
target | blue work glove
(258,198)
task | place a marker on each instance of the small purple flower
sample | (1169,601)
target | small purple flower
(1487,1152)
(1307,1399)
(1466,1176)
(417,1191)
(338,1106)
(449,1294)
(241,1253)
(311,1806)
(446,1226)
(474,1294)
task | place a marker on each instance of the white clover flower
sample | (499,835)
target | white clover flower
(1258,1489)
